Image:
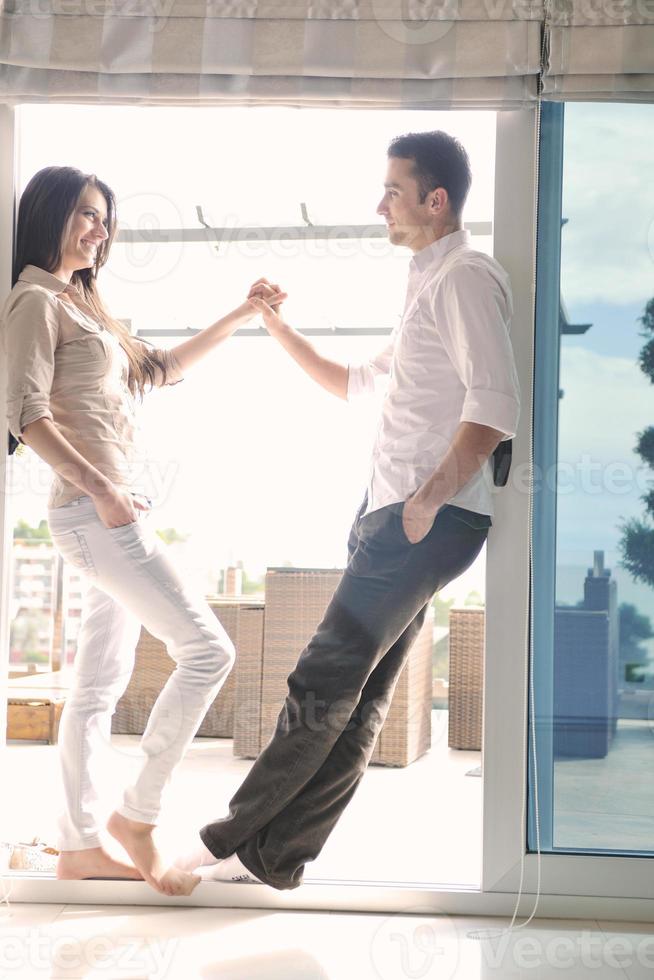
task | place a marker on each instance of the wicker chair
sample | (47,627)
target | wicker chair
(295,602)
(242,619)
(585,687)
(466,678)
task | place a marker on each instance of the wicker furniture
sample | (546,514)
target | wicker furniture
(34,705)
(466,678)
(406,734)
(585,671)
(295,602)
(248,673)
(242,619)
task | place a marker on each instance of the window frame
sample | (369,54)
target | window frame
(572,885)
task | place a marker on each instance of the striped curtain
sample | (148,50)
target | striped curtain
(372,53)
(599,50)
(368,53)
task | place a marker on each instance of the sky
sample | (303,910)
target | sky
(607,276)
(252,460)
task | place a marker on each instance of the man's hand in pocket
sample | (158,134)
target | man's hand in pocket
(417,518)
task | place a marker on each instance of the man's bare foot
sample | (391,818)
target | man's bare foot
(136,837)
(94,862)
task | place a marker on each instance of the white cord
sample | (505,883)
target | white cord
(6,882)
(7,885)
(6,849)
(497,933)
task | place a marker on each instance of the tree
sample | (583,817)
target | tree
(253,586)
(441,610)
(637,542)
(25,641)
(25,532)
(169,535)
(634,627)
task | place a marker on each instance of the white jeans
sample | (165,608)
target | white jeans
(131,581)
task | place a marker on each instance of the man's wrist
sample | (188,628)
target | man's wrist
(428,498)
(280,329)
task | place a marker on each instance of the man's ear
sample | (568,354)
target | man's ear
(438,199)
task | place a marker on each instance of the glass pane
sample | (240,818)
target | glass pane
(603,627)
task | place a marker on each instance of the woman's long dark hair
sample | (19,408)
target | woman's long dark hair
(44,217)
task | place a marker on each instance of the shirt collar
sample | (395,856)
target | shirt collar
(39,277)
(437,251)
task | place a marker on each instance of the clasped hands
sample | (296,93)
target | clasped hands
(266,298)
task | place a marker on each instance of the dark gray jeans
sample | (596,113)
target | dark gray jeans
(340,691)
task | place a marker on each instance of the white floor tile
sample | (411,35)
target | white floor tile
(404,947)
(631,944)
(16,916)
(22,928)
(136,943)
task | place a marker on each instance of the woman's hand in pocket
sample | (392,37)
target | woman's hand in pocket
(116,508)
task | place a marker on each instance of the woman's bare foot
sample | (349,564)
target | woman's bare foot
(137,839)
(94,862)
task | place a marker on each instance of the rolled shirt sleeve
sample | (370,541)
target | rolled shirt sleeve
(361,376)
(174,373)
(472,310)
(30,335)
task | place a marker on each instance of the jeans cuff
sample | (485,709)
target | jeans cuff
(141,815)
(79,843)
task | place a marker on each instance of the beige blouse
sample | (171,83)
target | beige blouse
(64,365)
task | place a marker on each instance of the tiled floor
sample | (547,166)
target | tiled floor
(136,943)
(420,824)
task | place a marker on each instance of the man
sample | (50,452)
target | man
(452,397)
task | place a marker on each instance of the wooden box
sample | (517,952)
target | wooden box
(33,716)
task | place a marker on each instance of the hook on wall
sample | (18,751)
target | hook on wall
(200,215)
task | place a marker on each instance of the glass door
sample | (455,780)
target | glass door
(594,485)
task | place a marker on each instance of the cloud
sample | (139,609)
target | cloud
(606,402)
(608,199)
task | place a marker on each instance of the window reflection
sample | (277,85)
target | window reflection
(604,617)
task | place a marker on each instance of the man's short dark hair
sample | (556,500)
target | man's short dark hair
(439,160)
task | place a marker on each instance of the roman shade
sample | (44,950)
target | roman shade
(599,50)
(491,54)
(370,53)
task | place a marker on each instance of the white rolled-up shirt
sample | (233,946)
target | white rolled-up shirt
(448,361)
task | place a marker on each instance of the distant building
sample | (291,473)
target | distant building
(586,664)
(39,628)
(233,580)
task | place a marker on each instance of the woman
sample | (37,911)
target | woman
(74,373)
